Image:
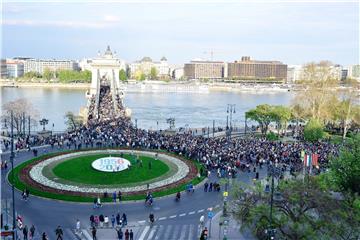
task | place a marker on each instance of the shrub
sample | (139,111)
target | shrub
(272,136)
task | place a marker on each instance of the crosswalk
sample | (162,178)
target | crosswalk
(147,232)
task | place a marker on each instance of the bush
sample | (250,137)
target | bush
(272,136)
(313,131)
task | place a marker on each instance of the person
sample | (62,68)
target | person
(118,219)
(59,233)
(127,234)
(95,203)
(78,226)
(101,219)
(131,235)
(120,196)
(98,202)
(204,234)
(210,187)
(151,218)
(178,196)
(93,233)
(114,196)
(202,221)
(206,185)
(92,220)
(113,221)
(124,219)
(119,233)
(25,232)
(32,231)
(106,221)
(44,236)
(27,193)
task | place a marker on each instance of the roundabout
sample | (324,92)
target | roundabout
(80,176)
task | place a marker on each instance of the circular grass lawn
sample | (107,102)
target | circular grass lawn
(79,170)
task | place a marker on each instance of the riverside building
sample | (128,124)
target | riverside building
(257,70)
(15,68)
(39,65)
(199,69)
(3,72)
(145,65)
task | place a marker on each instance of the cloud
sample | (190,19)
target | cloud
(58,23)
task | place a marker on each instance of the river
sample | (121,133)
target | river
(188,109)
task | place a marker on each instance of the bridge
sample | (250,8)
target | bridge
(105,98)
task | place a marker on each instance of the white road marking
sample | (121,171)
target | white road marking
(201,210)
(173,216)
(181,215)
(143,221)
(183,232)
(218,205)
(191,232)
(160,232)
(152,232)
(143,234)
(191,213)
(162,218)
(168,232)
(86,234)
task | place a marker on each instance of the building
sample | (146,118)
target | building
(294,73)
(177,73)
(199,69)
(145,65)
(15,68)
(3,72)
(252,69)
(39,65)
(354,72)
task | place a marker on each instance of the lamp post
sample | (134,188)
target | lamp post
(136,123)
(245,123)
(230,110)
(12,174)
(44,122)
(213,128)
(273,171)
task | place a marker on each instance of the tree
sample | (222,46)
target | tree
(19,107)
(48,74)
(31,75)
(68,76)
(263,115)
(319,81)
(313,130)
(153,73)
(72,121)
(281,115)
(303,210)
(122,75)
(345,169)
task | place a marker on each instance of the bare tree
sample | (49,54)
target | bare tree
(20,107)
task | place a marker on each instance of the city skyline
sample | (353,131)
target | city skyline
(294,33)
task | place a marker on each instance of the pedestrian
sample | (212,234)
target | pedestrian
(92,220)
(25,232)
(131,235)
(127,234)
(118,219)
(44,236)
(101,219)
(124,219)
(206,187)
(95,203)
(27,192)
(210,187)
(119,234)
(120,196)
(59,233)
(114,196)
(93,232)
(78,226)
(149,165)
(32,232)
(113,221)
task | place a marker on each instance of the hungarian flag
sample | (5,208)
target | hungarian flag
(307,160)
(315,158)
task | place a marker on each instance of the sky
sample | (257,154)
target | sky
(292,32)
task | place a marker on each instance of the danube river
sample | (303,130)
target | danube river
(188,109)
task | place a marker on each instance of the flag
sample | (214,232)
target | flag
(307,160)
(315,158)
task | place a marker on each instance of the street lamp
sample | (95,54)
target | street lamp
(230,110)
(273,171)
(12,174)
(44,122)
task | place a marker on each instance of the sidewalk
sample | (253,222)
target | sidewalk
(232,231)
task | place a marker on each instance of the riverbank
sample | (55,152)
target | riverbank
(158,86)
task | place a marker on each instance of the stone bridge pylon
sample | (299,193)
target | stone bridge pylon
(105,98)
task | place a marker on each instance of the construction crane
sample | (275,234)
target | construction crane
(211,53)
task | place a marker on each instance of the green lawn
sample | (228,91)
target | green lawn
(79,170)
(38,192)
